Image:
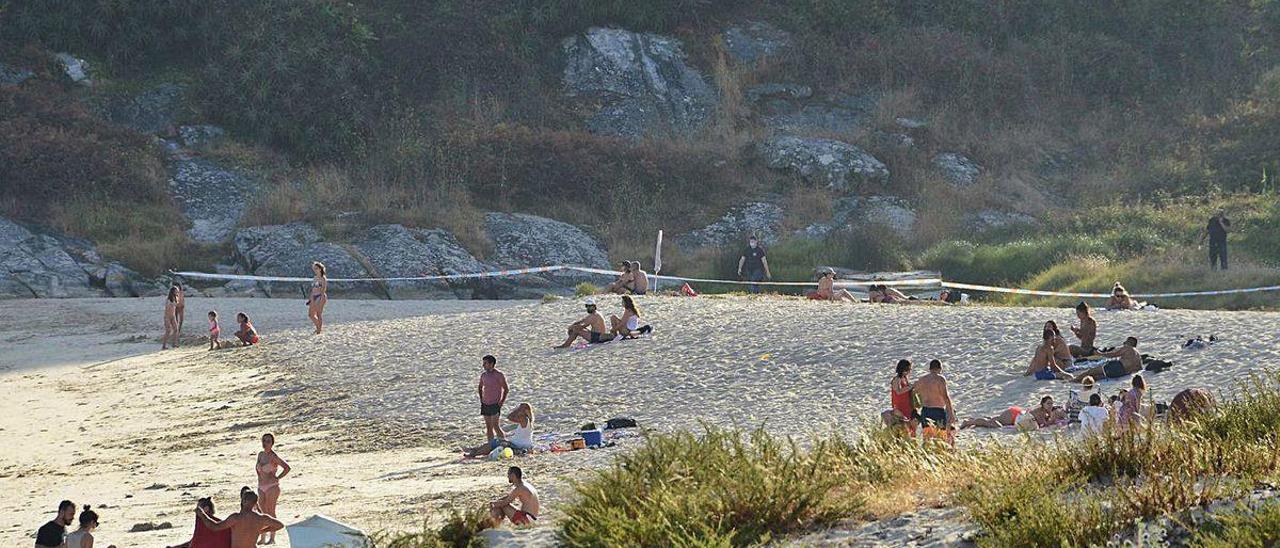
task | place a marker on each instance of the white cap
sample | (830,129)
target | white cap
(589,302)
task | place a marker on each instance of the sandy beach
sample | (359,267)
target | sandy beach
(370,413)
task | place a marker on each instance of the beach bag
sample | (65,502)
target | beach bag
(620,422)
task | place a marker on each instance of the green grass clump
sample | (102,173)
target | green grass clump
(719,488)
(585,289)
(1242,527)
(460,530)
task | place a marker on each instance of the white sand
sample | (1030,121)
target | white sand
(369,412)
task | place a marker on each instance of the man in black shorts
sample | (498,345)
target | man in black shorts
(493,393)
(1121,362)
(54,533)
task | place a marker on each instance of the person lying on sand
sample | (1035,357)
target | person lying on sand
(903,411)
(624,282)
(628,326)
(1006,418)
(247,334)
(590,328)
(881,293)
(1120,299)
(524,493)
(1122,361)
(936,413)
(204,537)
(520,439)
(1087,331)
(246,524)
(827,289)
(1050,358)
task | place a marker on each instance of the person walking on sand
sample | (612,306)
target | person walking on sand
(170,319)
(203,537)
(54,533)
(493,392)
(1122,361)
(903,410)
(524,493)
(1130,415)
(1216,233)
(247,334)
(267,466)
(936,412)
(214,330)
(590,328)
(753,266)
(1087,331)
(247,525)
(319,295)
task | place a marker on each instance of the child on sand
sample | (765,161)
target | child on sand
(214,330)
(247,334)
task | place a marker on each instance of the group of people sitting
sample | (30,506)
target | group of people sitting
(632,281)
(1054,358)
(876,293)
(1086,407)
(593,329)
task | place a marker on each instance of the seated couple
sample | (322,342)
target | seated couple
(827,289)
(1043,416)
(591,328)
(880,293)
(520,438)
(633,280)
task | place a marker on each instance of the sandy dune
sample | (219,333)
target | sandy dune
(369,412)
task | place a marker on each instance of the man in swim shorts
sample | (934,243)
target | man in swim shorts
(529,508)
(493,393)
(936,413)
(590,328)
(1121,362)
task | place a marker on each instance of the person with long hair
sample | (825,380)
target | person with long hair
(204,537)
(1048,363)
(170,319)
(1131,404)
(1087,332)
(627,326)
(83,537)
(247,334)
(903,409)
(520,438)
(267,466)
(180,309)
(319,295)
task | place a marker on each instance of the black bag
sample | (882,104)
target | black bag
(620,422)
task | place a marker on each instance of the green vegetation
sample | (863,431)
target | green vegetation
(585,289)
(460,530)
(1242,527)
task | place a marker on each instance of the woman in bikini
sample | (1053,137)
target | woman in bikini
(180,310)
(319,295)
(628,326)
(1051,357)
(269,482)
(1120,299)
(903,410)
(170,319)
(1008,417)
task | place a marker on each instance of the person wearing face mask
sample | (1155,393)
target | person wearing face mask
(752,265)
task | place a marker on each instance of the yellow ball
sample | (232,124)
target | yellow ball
(507,453)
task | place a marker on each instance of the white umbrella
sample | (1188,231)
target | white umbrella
(323,532)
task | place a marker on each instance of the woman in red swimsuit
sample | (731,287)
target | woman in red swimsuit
(903,412)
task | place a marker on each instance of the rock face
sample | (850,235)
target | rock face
(39,263)
(957,168)
(755,41)
(638,84)
(835,164)
(791,110)
(77,70)
(761,218)
(213,198)
(288,250)
(774,90)
(12,76)
(855,211)
(521,240)
(152,111)
(393,251)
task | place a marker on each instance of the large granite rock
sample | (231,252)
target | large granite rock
(39,263)
(393,251)
(154,110)
(957,168)
(12,76)
(288,250)
(858,211)
(791,109)
(521,240)
(635,84)
(76,69)
(835,164)
(761,218)
(212,197)
(755,41)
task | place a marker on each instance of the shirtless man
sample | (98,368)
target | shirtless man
(624,282)
(1087,332)
(529,508)
(246,524)
(1050,358)
(1122,361)
(827,288)
(639,279)
(936,413)
(590,328)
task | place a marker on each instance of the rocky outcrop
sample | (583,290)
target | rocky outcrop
(635,84)
(755,41)
(834,164)
(76,70)
(993,220)
(957,168)
(288,250)
(775,90)
(393,251)
(155,110)
(12,76)
(213,198)
(200,137)
(857,211)
(38,263)
(761,218)
(521,240)
(797,113)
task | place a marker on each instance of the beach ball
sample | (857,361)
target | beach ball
(507,453)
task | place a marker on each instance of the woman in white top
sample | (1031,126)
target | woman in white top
(83,537)
(520,439)
(628,326)
(1094,417)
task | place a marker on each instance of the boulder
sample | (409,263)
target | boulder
(761,218)
(200,137)
(393,251)
(212,197)
(755,41)
(521,240)
(154,110)
(957,168)
(991,220)
(36,262)
(635,84)
(12,76)
(77,70)
(288,250)
(857,211)
(835,164)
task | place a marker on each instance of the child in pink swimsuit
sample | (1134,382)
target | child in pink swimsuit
(214,330)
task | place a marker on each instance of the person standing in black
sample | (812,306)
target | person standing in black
(1216,232)
(752,265)
(54,533)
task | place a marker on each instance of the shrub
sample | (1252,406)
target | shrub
(461,530)
(1242,526)
(585,289)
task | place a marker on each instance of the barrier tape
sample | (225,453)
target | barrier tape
(1019,291)
(838,283)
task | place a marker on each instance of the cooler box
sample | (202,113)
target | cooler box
(594,438)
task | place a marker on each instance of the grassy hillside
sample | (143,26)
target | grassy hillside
(426,112)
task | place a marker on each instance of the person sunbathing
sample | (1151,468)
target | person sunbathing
(628,326)
(1087,331)
(590,328)
(1120,362)
(1047,414)
(881,293)
(1048,362)
(639,279)
(1006,418)
(1120,299)
(827,289)
(524,493)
